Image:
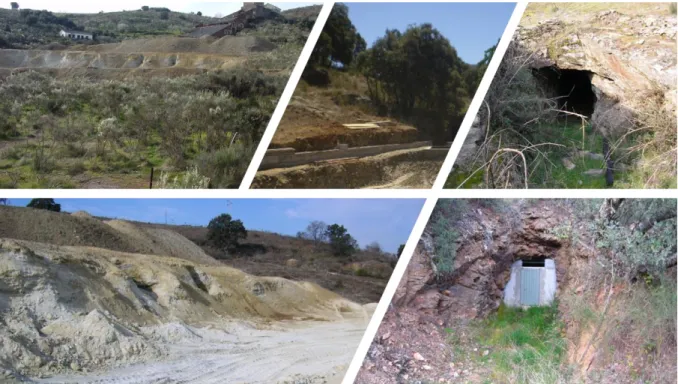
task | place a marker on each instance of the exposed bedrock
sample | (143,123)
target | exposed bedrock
(630,61)
(486,250)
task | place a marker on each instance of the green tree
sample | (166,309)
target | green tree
(360,46)
(224,232)
(418,73)
(144,8)
(199,13)
(341,242)
(164,15)
(15,5)
(337,42)
(47,204)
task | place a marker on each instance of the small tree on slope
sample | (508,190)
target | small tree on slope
(47,204)
(224,232)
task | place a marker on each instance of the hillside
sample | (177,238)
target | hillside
(98,300)
(361,278)
(143,100)
(470,308)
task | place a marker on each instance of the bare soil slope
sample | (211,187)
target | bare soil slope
(67,309)
(83,230)
(225,46)
(313,122)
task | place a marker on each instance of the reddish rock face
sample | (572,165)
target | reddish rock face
(492,242)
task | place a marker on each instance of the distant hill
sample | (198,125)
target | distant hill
(311,12)
(27,28)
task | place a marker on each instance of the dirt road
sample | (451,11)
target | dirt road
(306,352)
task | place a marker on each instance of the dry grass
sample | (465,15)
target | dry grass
(536,12)
(655,146)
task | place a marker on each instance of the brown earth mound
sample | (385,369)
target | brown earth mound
(163,242)
(81,214)
(80,229)
(226,46)
(313,119)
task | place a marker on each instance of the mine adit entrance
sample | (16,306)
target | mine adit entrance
(571,87)
(532,282)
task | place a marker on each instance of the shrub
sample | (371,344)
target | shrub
(190,179)
(224,233)
(47,204)
(226,166)
(444,241)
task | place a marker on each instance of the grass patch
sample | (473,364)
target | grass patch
(526,346)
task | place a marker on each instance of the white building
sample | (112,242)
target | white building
(76,35)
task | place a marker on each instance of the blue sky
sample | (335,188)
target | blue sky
(207,8)
(387,221)
(470,27)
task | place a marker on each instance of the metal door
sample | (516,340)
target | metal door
(530,279)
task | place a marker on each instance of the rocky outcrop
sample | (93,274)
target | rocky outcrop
(486,250)
(631,58)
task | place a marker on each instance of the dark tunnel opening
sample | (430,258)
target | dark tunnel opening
(571,87)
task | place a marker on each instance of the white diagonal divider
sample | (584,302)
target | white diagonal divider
(478,98)
(286,95)
(391,287)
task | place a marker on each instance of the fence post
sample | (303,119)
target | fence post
(150,185)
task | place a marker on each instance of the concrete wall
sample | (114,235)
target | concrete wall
(549,283)
(547,286)
(512,289)
(288,157)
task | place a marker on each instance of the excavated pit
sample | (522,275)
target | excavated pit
(572,88)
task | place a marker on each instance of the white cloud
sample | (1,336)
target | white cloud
(291,213)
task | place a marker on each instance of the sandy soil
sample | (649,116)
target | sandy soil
(69,310)
(300,352)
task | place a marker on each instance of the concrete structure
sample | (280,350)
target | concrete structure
(531,285)
(249,14)
(288,157)
(76,35)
